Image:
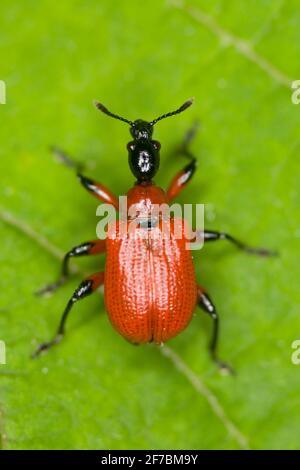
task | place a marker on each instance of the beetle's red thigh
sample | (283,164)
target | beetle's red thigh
(99,191)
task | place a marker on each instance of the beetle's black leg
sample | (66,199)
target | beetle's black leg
(88,248)
(87,287)
(66,159)
(210,235)
(184,176)
(205,302)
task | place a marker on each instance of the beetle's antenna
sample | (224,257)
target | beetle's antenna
(183,107)
(104,110)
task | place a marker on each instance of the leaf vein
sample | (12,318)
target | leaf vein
(242,46)
(203,390)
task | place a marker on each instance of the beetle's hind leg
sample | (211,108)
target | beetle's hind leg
(87,287)
(94,247)
(211,235)
(205,302)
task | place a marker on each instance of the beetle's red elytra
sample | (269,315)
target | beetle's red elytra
(150,287)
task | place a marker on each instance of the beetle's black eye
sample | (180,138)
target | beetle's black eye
(130,146)
(156,144)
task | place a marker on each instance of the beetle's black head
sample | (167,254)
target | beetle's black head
(143,151)
(141,129)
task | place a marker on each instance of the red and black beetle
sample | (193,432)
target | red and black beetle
(150,288)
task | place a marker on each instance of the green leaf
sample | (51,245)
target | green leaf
(141,59)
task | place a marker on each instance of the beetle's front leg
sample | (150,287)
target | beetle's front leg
(205,302)
(99,191)
(210,236)
(94,247)
(181,179)
(66,159)
(87,287)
